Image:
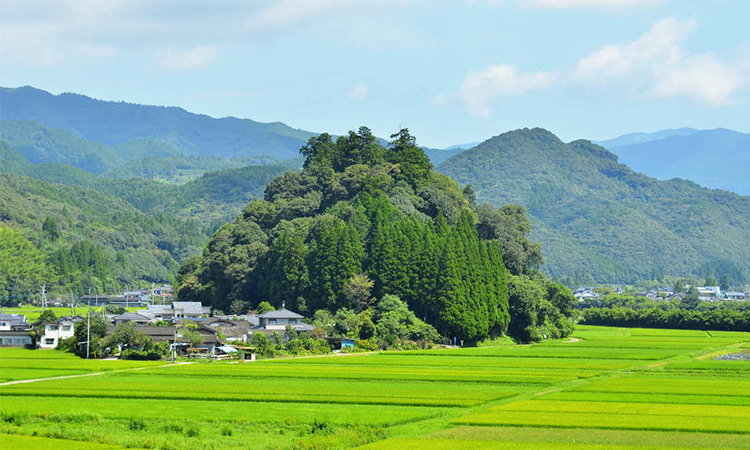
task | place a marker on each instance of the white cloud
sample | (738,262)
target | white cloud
(480,89)
(190,59)
(358,92)
(44,33)
(656,65)
(701,78)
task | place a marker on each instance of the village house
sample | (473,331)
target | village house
(277,321)
(58,330)
(175,311)
(14,331)
(135,318)
(231,330)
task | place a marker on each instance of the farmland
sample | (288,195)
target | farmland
(32,313)
(605,389)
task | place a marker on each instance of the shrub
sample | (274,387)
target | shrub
(137,425)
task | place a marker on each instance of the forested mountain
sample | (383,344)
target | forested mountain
(113,123)
(210,200)
(39,144)
(717,158)
(597,220)
(637,138)
(86,238)
(363,221)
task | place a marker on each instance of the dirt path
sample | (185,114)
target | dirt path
(63,377)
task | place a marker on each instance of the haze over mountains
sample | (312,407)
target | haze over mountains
(718,158)
(597,219)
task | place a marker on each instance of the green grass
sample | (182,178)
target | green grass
(614,389)
(451,444)
(462,361)
(127,385)
(664,384)
(18,442)
(619,397)
(569,419)
(593,436)
(557,351)
(383,372)
(22,364)
(257,412)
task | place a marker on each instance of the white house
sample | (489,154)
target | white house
(280,319)
(59,330)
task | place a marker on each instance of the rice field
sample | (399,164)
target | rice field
(605,389)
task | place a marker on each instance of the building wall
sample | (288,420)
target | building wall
(15,341)
(52,338)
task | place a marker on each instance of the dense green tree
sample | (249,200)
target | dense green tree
(51,229)
(710,281)
(22,267)
(725,286)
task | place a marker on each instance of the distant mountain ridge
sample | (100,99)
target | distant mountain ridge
(717,158)
(637,138)
(114,123)
(598,220)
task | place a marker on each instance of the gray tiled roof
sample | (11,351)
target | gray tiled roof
(281,314)
(132,317)
(189,307)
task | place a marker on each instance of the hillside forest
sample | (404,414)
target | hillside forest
(363,221)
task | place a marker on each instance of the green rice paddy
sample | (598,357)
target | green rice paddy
(605,389)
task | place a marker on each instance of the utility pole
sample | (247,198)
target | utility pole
(88,326)
(44,297)
(88,332)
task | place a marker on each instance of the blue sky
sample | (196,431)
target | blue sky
(452,71)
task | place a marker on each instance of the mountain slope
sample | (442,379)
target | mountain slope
(114,123)
(136,247)
(713,158)
(11,160)
(40,144)
(597,217)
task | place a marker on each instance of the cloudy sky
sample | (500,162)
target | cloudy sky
(452,71)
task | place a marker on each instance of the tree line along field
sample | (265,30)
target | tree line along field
(606,388)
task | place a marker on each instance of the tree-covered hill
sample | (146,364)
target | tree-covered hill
(362,221)
(91,239)
(113,123)
(39,144)
(210,200)
(597,220)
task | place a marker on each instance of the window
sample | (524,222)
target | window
(66,327)
(53,327)
(293,321)
(3,324)
(272,321)
(49,341)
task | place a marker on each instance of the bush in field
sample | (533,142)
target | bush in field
(539,309)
